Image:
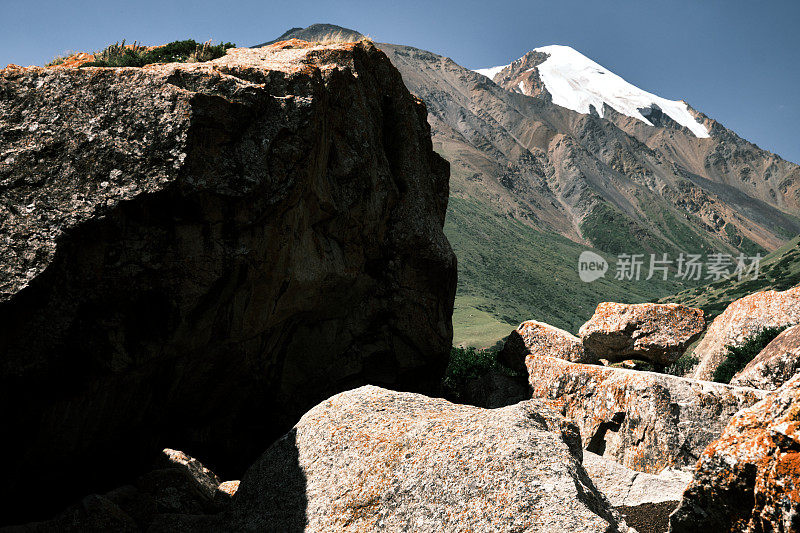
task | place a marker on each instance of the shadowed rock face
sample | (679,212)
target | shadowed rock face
(371,459)
(749,479)
(195,254)
(643,420)
(777,363)
(538,338)
(741,320)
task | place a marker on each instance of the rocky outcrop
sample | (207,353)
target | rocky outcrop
(539,339)
(198,253)
(749,479)
(180,486)
(625,487)
(658,333)
(371,459)
(741,320)
(643,420)
(776,364)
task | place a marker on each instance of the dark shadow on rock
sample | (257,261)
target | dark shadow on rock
(272,494)
(597,444)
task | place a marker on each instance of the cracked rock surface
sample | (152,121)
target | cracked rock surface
(198,253)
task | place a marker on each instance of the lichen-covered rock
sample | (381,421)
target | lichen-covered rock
(371,459)
(658,333)
(623,486)
(741,320)
(538,338)
(200,252)
(776,364)
(225,492)
(645,421)
(748,480)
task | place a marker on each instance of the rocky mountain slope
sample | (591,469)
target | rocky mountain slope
(199,252)
(538,178)
(616,183)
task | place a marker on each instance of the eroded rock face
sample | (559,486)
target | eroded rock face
(643,420)
(623,486)
(777,363)
(749,479)
(198,253)
(371,459)
(540,339)
(741,320)
(658,333)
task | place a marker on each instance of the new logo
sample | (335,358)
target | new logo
(591,266)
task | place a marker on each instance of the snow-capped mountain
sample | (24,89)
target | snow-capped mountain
(576,82)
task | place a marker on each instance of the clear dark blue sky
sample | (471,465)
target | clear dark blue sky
(737,61)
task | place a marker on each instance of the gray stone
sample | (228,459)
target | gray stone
(645,421)
(623,486)
(658,333)
(748,480)
(372,459)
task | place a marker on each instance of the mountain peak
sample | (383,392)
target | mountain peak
(576,82)
(318,32)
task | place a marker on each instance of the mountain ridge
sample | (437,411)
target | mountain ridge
(613,184)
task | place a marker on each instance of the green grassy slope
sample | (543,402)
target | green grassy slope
(510,272)
(779,270)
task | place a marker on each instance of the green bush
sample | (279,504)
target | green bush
(466,364)
(738,356)
(137,55)
(682,366)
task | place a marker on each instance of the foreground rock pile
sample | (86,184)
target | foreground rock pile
(372,459)
(643,420)
(197,253)
(749,478)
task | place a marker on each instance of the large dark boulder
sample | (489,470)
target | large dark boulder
(195,254)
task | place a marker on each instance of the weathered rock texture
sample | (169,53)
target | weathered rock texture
(777,363)
(643,420)
(741,320)
(656,332)
(196,254)
(623,486)
(749,478)
(371,459)
(540,339)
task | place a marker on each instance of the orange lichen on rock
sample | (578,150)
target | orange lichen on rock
(540,339)
(749,478)
(656,332)
(645,421)
(742,319)
(372,459)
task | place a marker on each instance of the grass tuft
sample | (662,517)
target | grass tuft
(467,364)
(136,55)
(738,356)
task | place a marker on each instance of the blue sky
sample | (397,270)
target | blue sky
(735,61)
